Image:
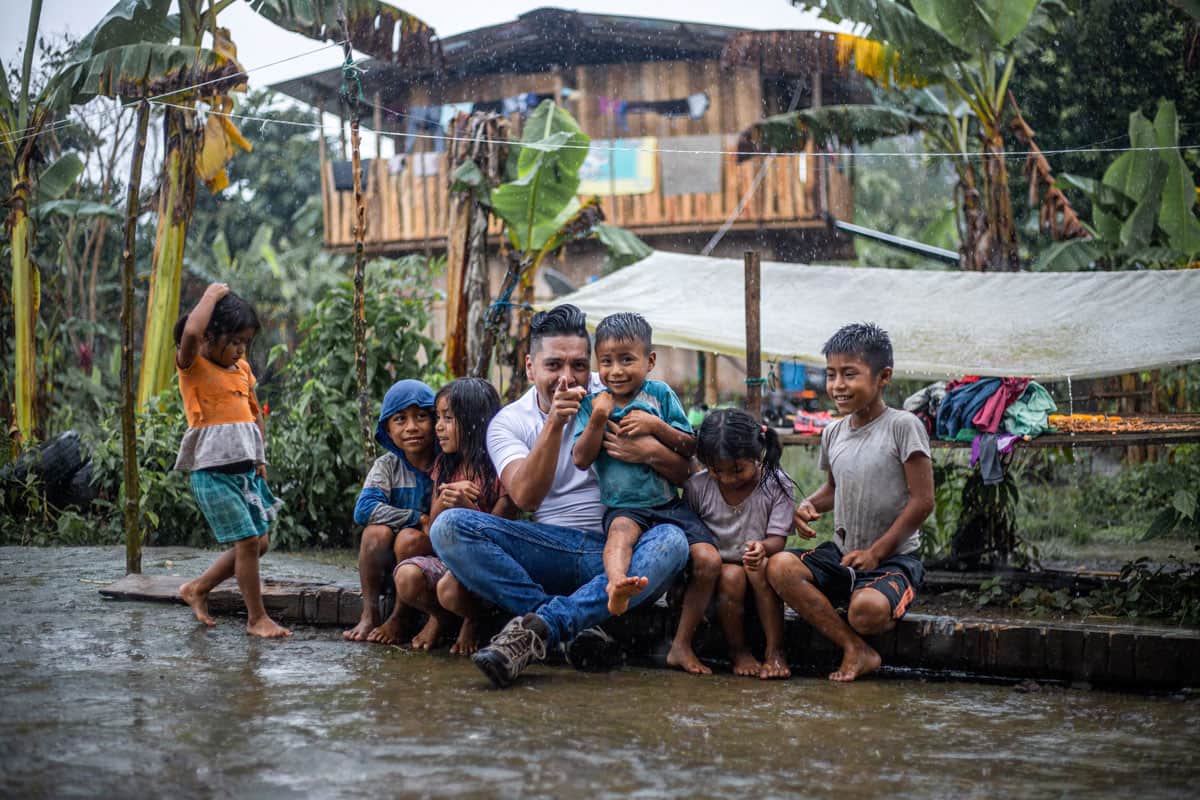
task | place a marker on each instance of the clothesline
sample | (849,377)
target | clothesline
(815,154)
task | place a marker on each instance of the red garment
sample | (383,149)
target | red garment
(992,414)
(963,381)
(497,488)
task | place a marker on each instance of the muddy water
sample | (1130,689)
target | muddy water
(110,699)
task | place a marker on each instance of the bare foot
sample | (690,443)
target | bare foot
(467,641)
(267,628)
(198,601)
(684,657)
(360,632)
(746,665)
(774,666)
(387,633)
(856,663)
(426,638)
(620,592)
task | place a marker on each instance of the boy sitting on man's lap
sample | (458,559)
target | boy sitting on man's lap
(879,485)
(636,496)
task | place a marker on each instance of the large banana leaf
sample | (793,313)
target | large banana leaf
(1176,215)
(57,178)
(372,27)
(542,199)
(973,25)
(924,48)
(825,125)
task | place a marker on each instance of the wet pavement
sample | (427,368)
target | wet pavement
(112,699)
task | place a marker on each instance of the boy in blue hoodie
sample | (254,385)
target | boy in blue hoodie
(394,502)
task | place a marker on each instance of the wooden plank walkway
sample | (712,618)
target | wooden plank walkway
(1111,655)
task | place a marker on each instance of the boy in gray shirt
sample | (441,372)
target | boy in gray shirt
(879,485)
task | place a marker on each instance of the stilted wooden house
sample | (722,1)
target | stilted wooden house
(678,89)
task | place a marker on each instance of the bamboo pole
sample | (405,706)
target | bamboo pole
(360,228)
(133,539)
(754,381)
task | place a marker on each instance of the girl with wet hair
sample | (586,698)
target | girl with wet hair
(463,477)
(745,499)
(224,450)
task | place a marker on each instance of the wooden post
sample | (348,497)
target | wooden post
(133,538)
(754,381)
(360,302)
(712,384)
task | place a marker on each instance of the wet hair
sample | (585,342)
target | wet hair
(625,326)
(730,434)
(473,402)
(563,320)
(864,340)
(230,315)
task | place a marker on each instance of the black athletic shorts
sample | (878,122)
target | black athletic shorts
(897,577)
(675,512)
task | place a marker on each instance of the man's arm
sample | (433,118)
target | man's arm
(918,472)
(528,480)
(647,450)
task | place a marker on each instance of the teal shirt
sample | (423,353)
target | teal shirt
(625,485)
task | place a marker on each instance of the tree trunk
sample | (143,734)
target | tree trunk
(176,201)
(25,297)
(973,223)
(458,251)
(1002,254)
(477,290)
(133,538)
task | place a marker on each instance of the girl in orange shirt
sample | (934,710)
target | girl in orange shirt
(224,449)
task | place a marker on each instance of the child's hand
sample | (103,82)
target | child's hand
(860,559)
(216,291)
(602,405)
(565,403)
(753,556)
(805,513)
(638,423)
(261,471)
(460,494)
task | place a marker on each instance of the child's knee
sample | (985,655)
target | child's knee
(733,579)
(410,582)
(264,544)
(624,531)
(784,569)
(706,561)
(411,542)
(869,612)
(449,591)
(376,537)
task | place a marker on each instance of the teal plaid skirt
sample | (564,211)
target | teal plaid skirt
(236,506)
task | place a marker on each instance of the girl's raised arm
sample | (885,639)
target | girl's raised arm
(197,324)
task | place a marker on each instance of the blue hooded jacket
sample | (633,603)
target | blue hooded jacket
(395,492)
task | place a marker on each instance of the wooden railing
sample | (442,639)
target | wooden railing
(406,211)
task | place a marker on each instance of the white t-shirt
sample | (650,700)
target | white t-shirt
(574,498)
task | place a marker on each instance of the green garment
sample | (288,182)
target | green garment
(1028,415)
(967,434)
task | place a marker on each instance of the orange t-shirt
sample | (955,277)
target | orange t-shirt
(216,396)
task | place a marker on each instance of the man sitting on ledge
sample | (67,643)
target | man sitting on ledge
(550,572)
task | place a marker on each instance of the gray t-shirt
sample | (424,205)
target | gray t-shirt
(867,465)
(766,512)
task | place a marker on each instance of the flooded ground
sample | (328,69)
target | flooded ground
(114,699)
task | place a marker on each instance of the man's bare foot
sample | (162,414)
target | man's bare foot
(467,641)
(387,633)
(774,666)
(856,663)
(746,665)
(198,601)
(621,591)
(684,657)
(362,630)
(426,638)
(267,628)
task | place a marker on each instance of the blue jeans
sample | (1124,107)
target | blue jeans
(556,572)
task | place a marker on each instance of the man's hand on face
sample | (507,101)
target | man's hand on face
(565,403)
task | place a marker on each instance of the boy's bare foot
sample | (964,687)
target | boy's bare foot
(467,641)
(267,628)
(856,663)
(621,591)
(426,638)
(684,658)
(387,633)
(362,630)
(198,602)
(774,666)
(746,665)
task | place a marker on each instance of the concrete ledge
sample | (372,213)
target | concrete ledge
(1112,655)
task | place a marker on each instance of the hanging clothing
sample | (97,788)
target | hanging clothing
(989,417)
(986,449)
(343,175)
(961,404)
(1029,415)
(693,106)
(424,122)
(450,111)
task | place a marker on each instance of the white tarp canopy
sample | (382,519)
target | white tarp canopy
(942,324)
